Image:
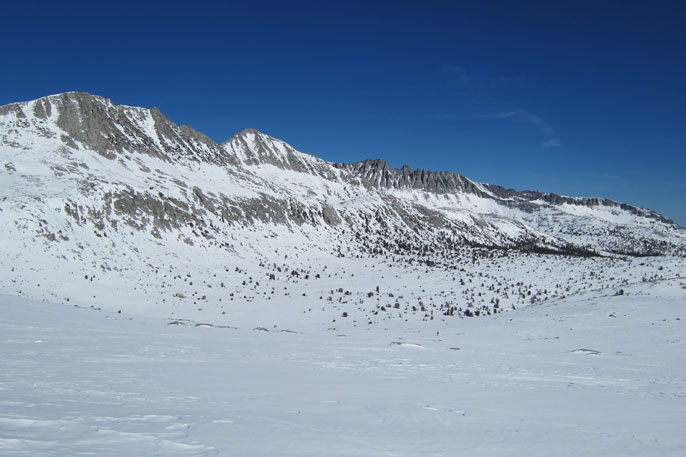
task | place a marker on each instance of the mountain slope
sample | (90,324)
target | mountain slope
(123,196)
(161,178)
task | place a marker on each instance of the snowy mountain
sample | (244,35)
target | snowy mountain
(124,197)
(161,294)
(124,165)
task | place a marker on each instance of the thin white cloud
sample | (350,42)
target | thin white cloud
(605,176)
(532,119)
(459,72)
(536,121)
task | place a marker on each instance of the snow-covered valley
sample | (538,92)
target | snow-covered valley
(596,374)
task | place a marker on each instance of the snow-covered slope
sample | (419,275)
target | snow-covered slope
(98,199)
(597,374)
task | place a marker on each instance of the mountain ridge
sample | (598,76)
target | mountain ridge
(379,173)
(261,180)
(376,172)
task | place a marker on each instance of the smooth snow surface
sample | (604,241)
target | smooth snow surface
(593,374)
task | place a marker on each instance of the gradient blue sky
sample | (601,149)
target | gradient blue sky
(584,98)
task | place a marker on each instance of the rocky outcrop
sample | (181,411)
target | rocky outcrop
(377,173)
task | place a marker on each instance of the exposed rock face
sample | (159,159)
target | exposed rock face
(378,174)
(75,162)
(252,148)
(110,130)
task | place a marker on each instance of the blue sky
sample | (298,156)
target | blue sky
(583,98)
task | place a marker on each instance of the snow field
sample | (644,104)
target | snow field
(596,374)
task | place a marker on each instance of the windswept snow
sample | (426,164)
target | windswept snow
(597,374)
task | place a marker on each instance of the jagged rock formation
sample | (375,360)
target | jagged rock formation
(377,173)
(75,165)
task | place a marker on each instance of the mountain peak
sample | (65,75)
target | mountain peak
(248,131)
(76,97)
(92,122)
(255,138)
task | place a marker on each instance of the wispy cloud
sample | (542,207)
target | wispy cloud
(510,81)
(458,72)
(605,176)
(672,185)
(532,119)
